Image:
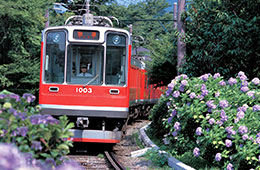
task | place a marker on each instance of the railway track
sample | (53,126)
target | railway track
(113,161)
(101,159)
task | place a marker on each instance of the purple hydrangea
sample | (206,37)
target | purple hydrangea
(256,81)
(230,130)
(192,95)
(232,81)
(218,157)
(177,126)
(29,97)
(222,83)
(15,96)
(245,137)
(181,88)
(211,121)
(241,73)
(210,104)
(244,84)
(240,115)
(204,91)
(168,92)
(256,108)
(257,140)
(205,77)
(174,133)
(244,89)
(184,82)
(11,158)
(228,143)
(199,131)
(171,86)
(216,75)
(251,94)
(229,166)
(43,119)
(196,152)
(176,94)
(36,145)
(243,108)
(223,116)
(223,104)
(22,131)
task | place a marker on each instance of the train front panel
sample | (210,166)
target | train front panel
(84,75)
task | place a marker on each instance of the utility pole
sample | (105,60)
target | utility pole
(175,14)
(181,46)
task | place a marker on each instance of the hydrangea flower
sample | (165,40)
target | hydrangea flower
(245,137)
(251,94)
(204,77)
(228,143)
(229,166)
(184,82)
(29,97)
(244,83)
(222,83)
(174,133)
(210,104)
(204,90)
(243,108)
(216,75)
(223,116)
(218,157)
(196,152)
(176,94)
(256,81)
(232,81)
(223,103)
(177,126)
(241,73)
(10,157)
(36,145)
(199,131)
(240,115)
(192,95)
(256,108)
(230,130)
(22,131)
(15,96)
(242,130)
(244,89)
(211,121)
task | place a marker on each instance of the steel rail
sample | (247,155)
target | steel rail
(113,161)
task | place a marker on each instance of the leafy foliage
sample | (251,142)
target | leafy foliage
(222,36)
(40,135)
(214,119)
(20,31)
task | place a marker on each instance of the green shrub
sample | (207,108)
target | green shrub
(41,136)
(214,119)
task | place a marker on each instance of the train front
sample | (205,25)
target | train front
(84,76)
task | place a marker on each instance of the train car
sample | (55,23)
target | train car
(87,73)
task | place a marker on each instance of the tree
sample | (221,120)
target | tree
(223,36)
(21,23)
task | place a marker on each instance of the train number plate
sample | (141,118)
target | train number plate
(83,90)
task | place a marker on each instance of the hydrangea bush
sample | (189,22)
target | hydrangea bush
(216,119)
(41,137)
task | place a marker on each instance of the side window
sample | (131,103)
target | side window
(116,59)
(55,57)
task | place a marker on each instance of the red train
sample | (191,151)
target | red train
(88,74)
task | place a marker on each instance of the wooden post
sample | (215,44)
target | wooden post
(181,46)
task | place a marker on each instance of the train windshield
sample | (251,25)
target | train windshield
(116,59)
(85,64)
(55,57)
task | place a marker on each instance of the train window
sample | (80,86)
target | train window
(55,57)
(84,64)
(116,59)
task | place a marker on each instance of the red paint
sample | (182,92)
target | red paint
(94,140)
